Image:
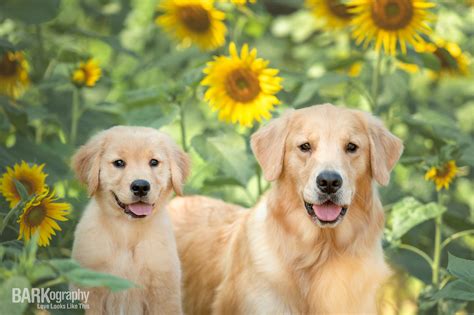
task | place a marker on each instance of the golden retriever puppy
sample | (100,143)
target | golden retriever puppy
(312,245)
(125,230)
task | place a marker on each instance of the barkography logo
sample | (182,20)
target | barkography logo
(47,299)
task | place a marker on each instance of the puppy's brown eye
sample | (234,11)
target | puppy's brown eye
(305,147)
(154,162)
(351,147)
(119,163)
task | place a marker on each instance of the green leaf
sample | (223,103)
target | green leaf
(64,265)
(154,116)
(310,88)
(30,11)
(461,268)
(408,213)
(89,278)
(6,298)
(227,152)
(21,190)
(458,290)
(80,276)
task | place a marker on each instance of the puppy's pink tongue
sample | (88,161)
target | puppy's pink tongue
(140,208)
(327,211)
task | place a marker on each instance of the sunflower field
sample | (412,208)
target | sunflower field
(209,73)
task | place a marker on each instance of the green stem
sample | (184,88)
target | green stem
(437,248)
(376,80)
(75,115)
(259,181)
(7,217)
(456,236)
(418,251)
(182,125)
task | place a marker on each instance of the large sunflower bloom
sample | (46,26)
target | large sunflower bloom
(335,13)
(32,178)
(14,78)
(442,175)
(40,214)
(193,21)
(241,88)
(388,22)
(88,73)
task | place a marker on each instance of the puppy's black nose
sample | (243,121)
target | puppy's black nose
(140,187)
(329,182)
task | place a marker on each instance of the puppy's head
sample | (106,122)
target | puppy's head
(131,170)
(328,156)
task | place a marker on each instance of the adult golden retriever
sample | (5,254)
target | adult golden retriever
(312,245)
(125,229)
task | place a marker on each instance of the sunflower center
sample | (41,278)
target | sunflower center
(445,59)
(195,17)
(242,85)
(8,67)
(35,216)
(339,9)
(444,172)
(392,14)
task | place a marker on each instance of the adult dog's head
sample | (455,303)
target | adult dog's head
(327,156)
(131,170)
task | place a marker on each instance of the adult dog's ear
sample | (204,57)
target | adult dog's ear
(385,150)
(86,162)
(268,145)
(179,166)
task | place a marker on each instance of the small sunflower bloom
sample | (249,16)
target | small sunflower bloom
(241,87)
(443,175)
(14,74)
(31,177)
(193,21)
(452,60)
(242,2)
(87,74)
(390,22)
(40,214)
(335,13)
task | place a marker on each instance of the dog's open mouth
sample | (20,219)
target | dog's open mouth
(325,213)
(135,210)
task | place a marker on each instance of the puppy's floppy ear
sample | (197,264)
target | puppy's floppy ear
(86,162)
(179,166)
(268,145)
(385,150)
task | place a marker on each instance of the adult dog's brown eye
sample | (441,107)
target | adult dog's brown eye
(305,147)
(119,163)
(351,147)
(154,162)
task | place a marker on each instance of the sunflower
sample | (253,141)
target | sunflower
(14,78)
(335,13)
(443,175)
(451,58)
(32,178)
(241,87)
(390,21)
(40,214)
(193,21)
(242,2)
(88,73)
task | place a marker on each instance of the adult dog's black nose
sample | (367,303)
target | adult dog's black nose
(140,187)
(329,182)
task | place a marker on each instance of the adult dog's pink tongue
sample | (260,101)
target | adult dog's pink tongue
(327,211)
(140,208)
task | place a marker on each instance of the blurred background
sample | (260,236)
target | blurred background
(70,68)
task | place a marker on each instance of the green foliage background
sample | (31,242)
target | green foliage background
(148,80)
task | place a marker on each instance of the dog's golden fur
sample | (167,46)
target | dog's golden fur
(108,240)
(274,259)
